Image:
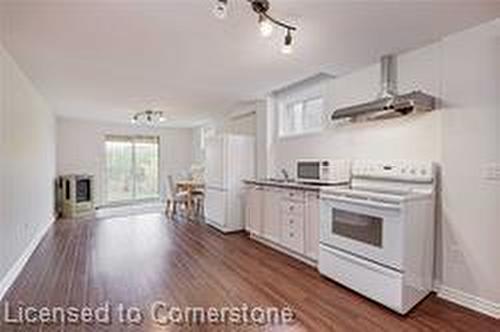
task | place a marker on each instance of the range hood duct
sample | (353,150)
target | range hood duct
(389,103)
(388,77)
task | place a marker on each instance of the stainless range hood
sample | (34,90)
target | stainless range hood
(389,103)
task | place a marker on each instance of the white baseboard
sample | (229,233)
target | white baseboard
(18,266)
(128,210)
(469,301)
(436,286)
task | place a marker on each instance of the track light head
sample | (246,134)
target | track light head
(260,6)
(288,45)
(265,26)
(220,9)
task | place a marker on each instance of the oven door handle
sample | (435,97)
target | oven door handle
(363,202)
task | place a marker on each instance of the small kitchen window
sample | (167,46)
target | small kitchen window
(301,117)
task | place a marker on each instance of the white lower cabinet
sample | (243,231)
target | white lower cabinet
(286,218)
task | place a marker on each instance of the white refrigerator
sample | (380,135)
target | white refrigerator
(229,160)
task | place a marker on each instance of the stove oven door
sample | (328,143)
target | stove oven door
(364,228)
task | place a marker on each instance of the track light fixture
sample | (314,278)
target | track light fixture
(265,20)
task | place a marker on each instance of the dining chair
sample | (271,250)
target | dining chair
(175,197)
(198,196)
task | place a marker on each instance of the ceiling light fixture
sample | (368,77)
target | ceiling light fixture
(148,117)
(266,21)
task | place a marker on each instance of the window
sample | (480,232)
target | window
(132,168)
(301,117)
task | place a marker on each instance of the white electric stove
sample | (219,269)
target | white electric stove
(377,236)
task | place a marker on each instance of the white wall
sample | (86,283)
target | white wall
(405,138)
(80,149)
(463,70)
(471,140)
(27,163)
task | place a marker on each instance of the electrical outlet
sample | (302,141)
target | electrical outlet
(491,172)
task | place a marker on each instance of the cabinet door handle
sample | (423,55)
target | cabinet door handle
(292,234)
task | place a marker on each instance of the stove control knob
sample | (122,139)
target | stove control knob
(413,171)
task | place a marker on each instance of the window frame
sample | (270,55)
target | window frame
(283,107)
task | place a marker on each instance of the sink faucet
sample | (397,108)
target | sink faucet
(285,174)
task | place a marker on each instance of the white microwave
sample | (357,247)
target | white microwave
(323,171)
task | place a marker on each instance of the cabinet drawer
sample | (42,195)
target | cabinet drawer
(380,284)
(292,207)
(292,220)
(292,232)
(294,195)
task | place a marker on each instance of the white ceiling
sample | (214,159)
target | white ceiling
(107,59)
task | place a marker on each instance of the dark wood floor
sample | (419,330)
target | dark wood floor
(142,259)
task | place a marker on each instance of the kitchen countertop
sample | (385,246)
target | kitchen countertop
(288,185)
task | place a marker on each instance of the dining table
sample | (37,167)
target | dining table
(190,187)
